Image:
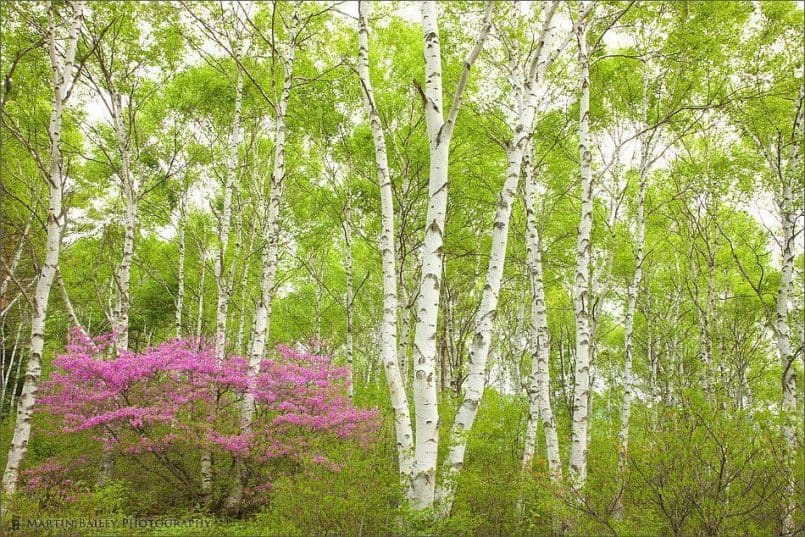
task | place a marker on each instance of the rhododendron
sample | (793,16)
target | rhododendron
(176,397)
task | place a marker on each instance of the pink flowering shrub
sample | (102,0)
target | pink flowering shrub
(176,399)
(52,481)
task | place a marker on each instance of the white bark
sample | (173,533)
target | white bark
(582,299)
(223,266)
(628,330)
(271,231)
(540,383)
(122,275)
(782,329)
(473,386)
(349,294)
(16,382)
(239,345)
(422,490)
(200,306)
(182,252)
(394,380)
(62,70)
(7,374)
(68,304)
(270,256)
(11,269)
(632,293)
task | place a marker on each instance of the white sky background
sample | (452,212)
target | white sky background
(760,206)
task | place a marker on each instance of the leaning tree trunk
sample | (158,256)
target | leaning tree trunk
(473,386)
(62,84)
(7,374)
(388,336)
(582,302)
(12,268)
(422,489)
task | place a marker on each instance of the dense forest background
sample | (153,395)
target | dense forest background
(383,268)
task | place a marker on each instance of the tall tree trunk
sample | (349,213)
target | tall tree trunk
(244,288)
(422,490)
(16,382)
(224,266)
(473,386)
(122,275)
(540,382)
(7,374)
(785,204)
(200,305)
(68,304)
(62,84)
(388,336)
(349,294)
(628,330)
(270,256)
(582,299)
(182,252)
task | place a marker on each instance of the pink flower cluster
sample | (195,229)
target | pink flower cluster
(51,480)
(178,396)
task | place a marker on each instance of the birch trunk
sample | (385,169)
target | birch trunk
(16,382)
(68,304)
(244,294)
(582,301)
(224,266)
(262,314)
(12,268)
(62,72)
(347,227)
(628,330)
(785,349)
(473,386)
(200,306)
(7,374)
(540,382)
(388,336)
(422,490)
(182,252)
(122,276)
(270,256)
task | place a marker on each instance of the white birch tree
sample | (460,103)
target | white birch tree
(62,68)
(581,289)
(440,130)
(388,337)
